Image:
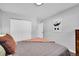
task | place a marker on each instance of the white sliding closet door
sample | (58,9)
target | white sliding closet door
(20,29)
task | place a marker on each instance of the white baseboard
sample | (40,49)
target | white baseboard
(72,51)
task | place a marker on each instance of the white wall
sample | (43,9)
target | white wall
(0,22)
(70,22)
(34,27)
(37,28)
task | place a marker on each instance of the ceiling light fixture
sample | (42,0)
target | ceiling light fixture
(38,4)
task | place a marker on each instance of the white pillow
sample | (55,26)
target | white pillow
(2,51)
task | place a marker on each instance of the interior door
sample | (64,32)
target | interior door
(77,42)
(20,29)
(40,30)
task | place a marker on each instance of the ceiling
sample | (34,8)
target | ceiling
(30,10)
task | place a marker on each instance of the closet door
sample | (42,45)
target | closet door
(77,42)
(20,29)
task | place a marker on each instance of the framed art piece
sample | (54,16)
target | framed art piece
(57,25)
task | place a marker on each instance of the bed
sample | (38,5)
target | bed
(33,48)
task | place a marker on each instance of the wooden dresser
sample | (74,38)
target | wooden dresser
(77,42)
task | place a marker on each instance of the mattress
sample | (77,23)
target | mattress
(40,49)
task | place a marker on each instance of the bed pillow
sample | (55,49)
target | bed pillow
(2,51)
(9,45)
